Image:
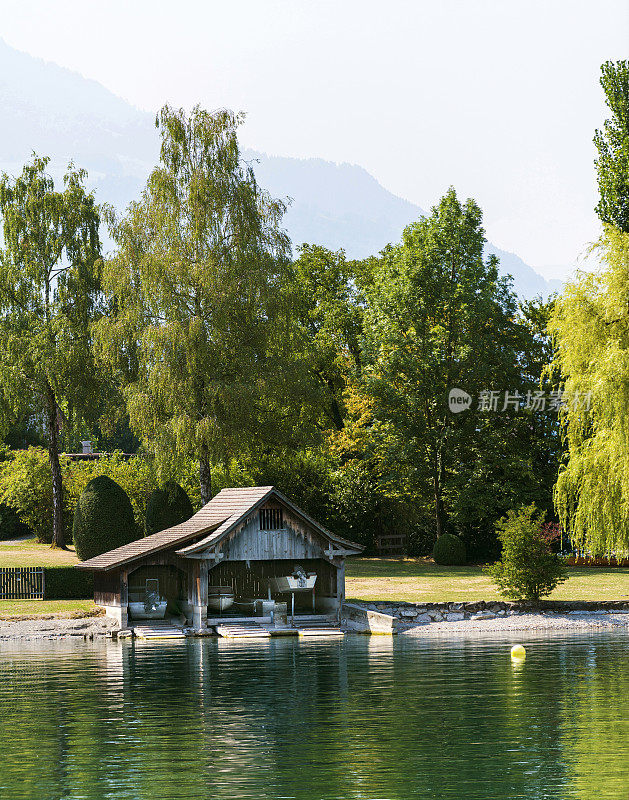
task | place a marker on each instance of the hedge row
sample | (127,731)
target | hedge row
(67,583)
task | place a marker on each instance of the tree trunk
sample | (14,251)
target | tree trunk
(437,488)
(205,478)
(58,532)
(438,509)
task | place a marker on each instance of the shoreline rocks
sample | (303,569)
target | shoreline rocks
(56,628)
(479,616)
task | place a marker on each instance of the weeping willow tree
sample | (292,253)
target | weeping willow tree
(590,326)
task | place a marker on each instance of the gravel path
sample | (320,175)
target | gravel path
(573,621)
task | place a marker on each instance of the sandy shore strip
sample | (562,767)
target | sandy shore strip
(56,628)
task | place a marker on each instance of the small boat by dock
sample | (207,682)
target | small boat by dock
(220,598)
(299,581)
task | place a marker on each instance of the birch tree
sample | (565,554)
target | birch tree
(196,291)
(49,290)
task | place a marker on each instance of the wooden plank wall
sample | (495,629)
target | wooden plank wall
(252,581)
(295,542)
(173,582)
(107,588)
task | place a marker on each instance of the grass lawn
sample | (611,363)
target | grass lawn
(31,553)
(44,608)
(418,580)
(412,579)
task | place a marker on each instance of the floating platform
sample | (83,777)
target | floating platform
(260,630)
(320,632)
(158,632)
(243,631)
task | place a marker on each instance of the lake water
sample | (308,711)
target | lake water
(366,717)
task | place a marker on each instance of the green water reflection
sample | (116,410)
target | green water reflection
(360,718)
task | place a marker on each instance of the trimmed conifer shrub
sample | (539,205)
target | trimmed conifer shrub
(449,550)
(103,519)
(166,507)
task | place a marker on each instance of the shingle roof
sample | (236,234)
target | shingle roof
(218,533)
(207,526)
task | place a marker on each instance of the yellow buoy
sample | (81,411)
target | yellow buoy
(518,652)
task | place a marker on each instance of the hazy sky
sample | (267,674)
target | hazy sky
(498,97)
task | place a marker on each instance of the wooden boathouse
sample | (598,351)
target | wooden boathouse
(249,553)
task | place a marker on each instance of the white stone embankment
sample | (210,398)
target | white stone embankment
(439,619)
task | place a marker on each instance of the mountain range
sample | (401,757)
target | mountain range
(53,111)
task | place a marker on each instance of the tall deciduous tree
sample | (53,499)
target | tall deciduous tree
(330,319)
(438,317)
(49,289)
(196,287)
(612,144)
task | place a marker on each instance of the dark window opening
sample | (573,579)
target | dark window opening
(271,519)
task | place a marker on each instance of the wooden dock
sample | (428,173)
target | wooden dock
(158,632)
(242,631)
(244,628)
(263,630)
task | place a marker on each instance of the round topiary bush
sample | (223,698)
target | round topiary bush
(449,550)
(103,518)
(166,507)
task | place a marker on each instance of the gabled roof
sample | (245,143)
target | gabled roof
(205,528)
(226,527)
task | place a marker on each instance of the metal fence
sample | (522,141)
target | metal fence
(21,583)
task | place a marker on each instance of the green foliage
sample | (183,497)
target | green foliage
(49,290)
(196,291)
(612,144)
(167,506)
(527,570)
(11,526)
(67,583)
(437,316)
(449,550)
(26,486)
(103,519)
(591,330)
(137,476)
(329,318)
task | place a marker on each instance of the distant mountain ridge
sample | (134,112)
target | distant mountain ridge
(54,111)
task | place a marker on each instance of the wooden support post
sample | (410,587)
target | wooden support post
(340,586)
(198,592)
(124,598)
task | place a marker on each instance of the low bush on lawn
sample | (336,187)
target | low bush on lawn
(527,570)
(449,550)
